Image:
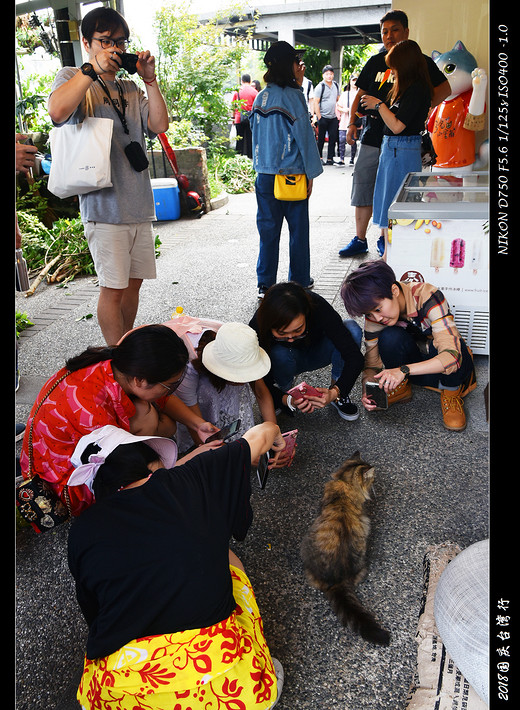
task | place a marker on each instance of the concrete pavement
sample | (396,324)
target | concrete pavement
(431,485)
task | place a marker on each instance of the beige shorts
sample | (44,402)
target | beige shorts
(121,252)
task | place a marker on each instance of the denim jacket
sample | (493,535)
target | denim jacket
(283,139)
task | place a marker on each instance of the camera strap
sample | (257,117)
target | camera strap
(120,113)
(134,151)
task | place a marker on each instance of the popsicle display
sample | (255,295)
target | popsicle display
(437,253)
(458,253)
(476,256)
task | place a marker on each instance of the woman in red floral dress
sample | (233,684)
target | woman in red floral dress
(128,385)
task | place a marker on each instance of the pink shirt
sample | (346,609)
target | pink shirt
(246,93)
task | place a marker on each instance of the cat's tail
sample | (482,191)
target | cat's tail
(353,614)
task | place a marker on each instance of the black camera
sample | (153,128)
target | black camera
(129,62)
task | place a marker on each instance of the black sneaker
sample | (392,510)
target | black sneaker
(262,291)
(346,409)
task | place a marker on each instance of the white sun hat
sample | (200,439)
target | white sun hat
(108,438)
(235,354)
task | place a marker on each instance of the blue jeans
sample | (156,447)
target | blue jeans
(398,347)
(399,156)
(287,362)
(269,220)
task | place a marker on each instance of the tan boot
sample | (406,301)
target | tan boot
(452,406)
(402,393)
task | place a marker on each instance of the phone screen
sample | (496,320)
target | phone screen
(263,471)
(225,432)
(377,395)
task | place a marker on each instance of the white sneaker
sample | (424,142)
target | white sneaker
(278,669)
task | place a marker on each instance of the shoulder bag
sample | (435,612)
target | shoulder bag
(289,188)
(80,157)
(37,503)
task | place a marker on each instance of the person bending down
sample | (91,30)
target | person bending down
(410,337)
(171,613)
(302,332)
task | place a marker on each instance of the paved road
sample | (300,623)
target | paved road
(431,485)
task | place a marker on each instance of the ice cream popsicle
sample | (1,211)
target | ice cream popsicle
(458,253)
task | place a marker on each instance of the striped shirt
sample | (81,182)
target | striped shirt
(426,309)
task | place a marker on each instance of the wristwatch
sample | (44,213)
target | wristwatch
(377,106)
(405,369)
(88,70)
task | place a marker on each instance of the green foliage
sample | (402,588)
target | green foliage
(235,172)
(354,57)
(32,107)
(193,68)
(65,239)
(22,322)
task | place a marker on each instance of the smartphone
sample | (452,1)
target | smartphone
(377,395)
(290,444)
(304,390)
(226,432)
(263,469)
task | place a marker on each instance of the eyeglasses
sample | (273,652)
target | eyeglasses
(171,388)
(106,42)
(291,337)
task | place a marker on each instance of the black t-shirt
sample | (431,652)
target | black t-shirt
(412,109)
(155,559)
(375,79)
(324,322)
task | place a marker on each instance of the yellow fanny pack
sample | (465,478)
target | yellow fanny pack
(290,187)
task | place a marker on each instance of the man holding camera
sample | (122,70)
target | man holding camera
(118,219)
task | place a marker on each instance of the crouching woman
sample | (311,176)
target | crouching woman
(172,616)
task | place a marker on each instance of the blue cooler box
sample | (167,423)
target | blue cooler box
(166,199)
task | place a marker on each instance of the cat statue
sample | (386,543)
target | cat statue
(334,548)
(453,123)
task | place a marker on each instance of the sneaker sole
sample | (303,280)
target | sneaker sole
(348,256)
(347,417)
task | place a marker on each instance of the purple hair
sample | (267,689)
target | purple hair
(362,289)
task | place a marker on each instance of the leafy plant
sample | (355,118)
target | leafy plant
(236,173)
(22,322)
(194,68)
(59,253)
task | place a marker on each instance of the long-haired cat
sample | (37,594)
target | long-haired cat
(334,548)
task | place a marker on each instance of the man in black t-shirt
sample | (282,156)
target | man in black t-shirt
(376,79)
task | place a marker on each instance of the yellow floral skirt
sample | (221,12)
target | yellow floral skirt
(226,666)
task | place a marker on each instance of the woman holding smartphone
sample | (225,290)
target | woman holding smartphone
(283,144)
(405,116)
(171,613)
(302,332)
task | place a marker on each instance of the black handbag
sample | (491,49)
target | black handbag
(37,503)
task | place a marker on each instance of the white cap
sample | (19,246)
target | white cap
(108,438)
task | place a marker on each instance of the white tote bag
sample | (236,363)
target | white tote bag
(80,157)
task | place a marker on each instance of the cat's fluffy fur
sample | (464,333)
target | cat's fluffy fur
(334,548)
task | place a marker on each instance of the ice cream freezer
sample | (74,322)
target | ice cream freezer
(439,234)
